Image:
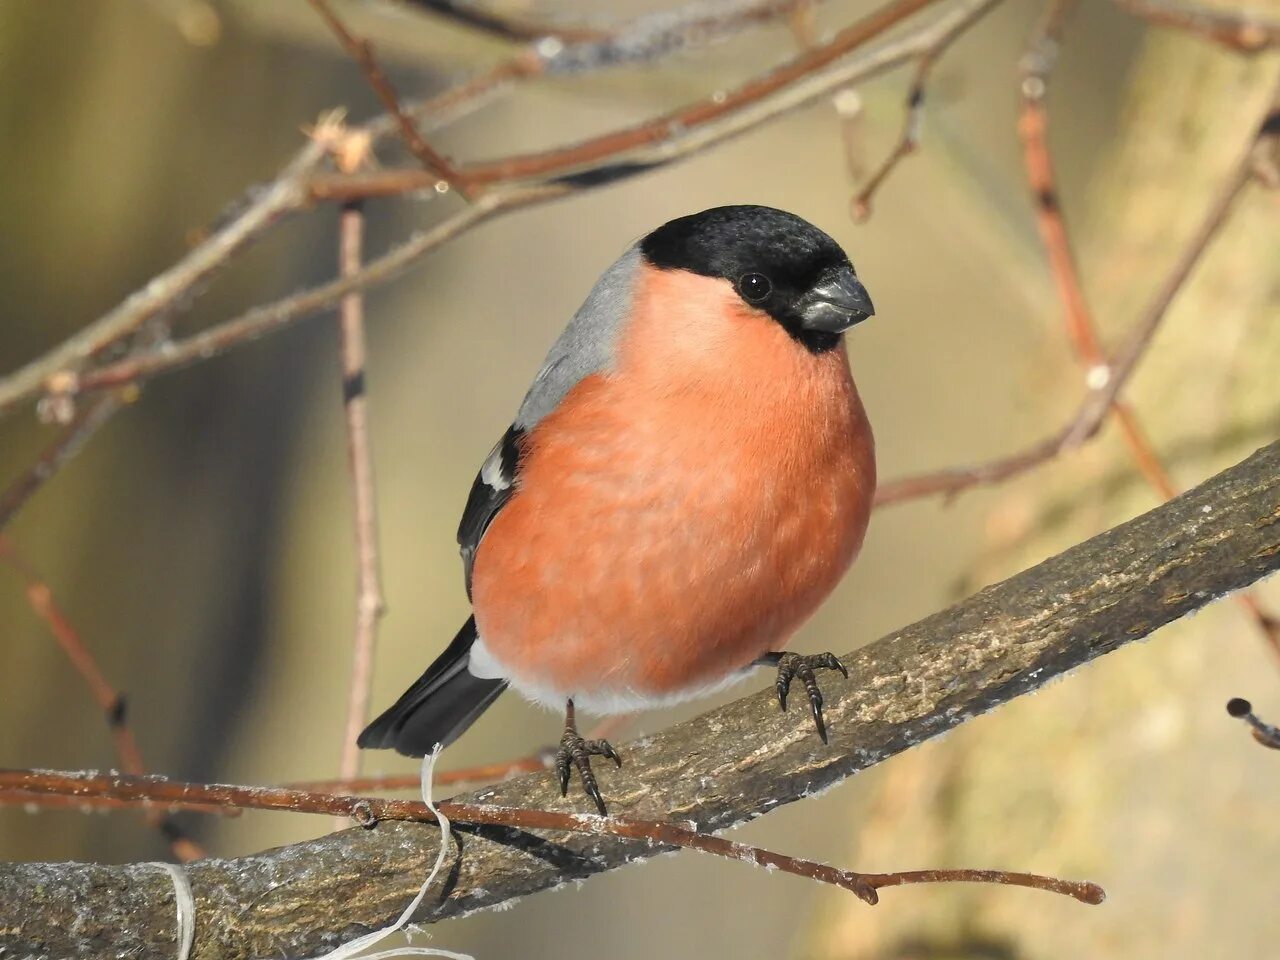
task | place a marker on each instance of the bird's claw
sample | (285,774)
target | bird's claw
(802,665)
(576,752)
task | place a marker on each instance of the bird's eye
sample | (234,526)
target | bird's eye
(754,287)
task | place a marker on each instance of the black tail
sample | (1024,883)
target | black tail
(439,707)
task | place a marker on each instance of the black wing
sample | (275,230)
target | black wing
(494,485)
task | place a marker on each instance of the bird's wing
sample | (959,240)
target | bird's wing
(493,487)
(585,347)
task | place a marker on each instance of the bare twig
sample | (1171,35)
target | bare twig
(646,39)
(362,52)
(1037,67)
(110,700)
(909,139)
(40,802)
(502,25)
(1265,733)
(1242,30)
(656,143)
(370,605)
(66,445)
(761,89)
(1033,121)
(287,193)
(1108,380)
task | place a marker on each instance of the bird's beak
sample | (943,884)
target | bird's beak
(835,303)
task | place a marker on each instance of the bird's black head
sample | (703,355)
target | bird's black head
(777,263)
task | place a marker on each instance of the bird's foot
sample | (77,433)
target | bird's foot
(575,751)
(802,665)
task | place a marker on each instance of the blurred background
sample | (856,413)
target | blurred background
(202,542)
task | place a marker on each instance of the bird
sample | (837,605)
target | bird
(689,476)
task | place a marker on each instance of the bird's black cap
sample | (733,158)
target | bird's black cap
(777,262)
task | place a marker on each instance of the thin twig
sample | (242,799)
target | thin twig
(647,39)
(368,811)
(1265,733)
(1082,331)
(66,445)
(651,151)
(913,121)
(110,700)
(1033,122)
(362,52)
(1110,379)
(370,605)
(502,25)
(286,194)
(812,61)
(40,802)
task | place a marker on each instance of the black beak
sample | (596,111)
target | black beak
(835,303)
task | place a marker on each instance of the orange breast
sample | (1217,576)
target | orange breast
(683,514)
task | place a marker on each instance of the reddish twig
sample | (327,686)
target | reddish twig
(367,811)
(643,40)
(592,152)
(110,700)
(84,424)
(39,802)
(1265,733)
(505,26)
(265,319)
(1033,122)
(1108,380)
(909,139)
(370,605)
(362,52)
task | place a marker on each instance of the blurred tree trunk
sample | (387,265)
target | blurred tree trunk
(1130,770)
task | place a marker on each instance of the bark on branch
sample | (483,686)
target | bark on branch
(724,768)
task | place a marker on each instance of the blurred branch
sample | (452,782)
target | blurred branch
(697,22)
(83,425)
(646,39)
(434,163)
(110,700)
(370,604)
(1242,31)
(723,768)
(645,147)
(909,139)
(56,369)
(1106,380)
(1082,331)
(501,25)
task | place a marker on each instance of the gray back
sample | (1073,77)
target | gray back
(588,344)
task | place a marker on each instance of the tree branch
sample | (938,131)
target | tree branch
(617,157)
(724,768)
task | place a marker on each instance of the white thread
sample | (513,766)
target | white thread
(349,950)
(185,904)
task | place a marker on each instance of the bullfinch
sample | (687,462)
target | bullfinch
(687,479)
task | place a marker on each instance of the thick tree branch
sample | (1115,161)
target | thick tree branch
(724,768)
